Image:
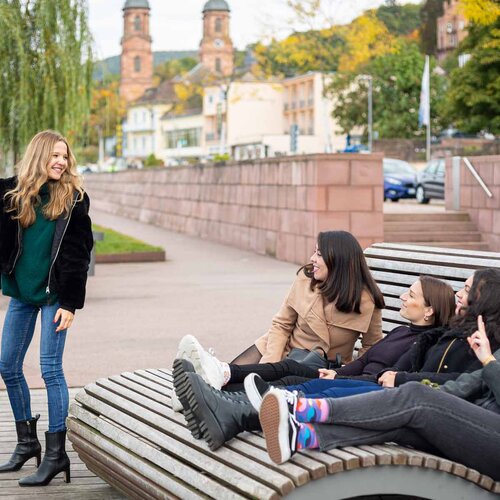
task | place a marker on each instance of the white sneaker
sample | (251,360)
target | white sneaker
(205,364)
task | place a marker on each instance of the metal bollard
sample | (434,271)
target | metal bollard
(98,236)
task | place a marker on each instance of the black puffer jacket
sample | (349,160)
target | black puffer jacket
(71,247)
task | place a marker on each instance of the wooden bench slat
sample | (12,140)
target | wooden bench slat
(349,460)
(439,250)
(406,280)
(418,269)
(398,454)
(367,458)
(381,456)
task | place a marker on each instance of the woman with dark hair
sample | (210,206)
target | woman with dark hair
(333,301)
(460,420)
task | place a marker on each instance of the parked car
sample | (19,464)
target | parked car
(399,179)
(430,183)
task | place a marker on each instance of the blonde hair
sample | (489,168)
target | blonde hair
(32,174)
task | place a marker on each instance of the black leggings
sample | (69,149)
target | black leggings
(270,372)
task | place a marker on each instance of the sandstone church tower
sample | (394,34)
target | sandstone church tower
(216,47)
(137,57)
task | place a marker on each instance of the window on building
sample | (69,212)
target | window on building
(218,24)
(183,138)
(137,23)
(137,64)
(218,66)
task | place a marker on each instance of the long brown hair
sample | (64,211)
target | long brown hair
(348,272)
(32,174)
(440,296)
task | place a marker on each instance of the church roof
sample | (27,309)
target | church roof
(136,4)
(216,5)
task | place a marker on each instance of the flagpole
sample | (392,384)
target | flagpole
(428,135)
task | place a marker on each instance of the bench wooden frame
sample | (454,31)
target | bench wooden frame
(123,427)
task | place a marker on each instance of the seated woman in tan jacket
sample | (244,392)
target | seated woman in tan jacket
(333,301)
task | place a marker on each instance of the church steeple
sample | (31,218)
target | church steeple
(216,47)
(137,56)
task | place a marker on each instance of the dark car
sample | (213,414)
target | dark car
(399,180)
(430,182)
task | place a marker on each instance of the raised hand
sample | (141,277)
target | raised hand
(479,342)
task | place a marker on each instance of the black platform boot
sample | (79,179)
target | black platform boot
(27,446)
(220,415)
(181,385)
(54,461)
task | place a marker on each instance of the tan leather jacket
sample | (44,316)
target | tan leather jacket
(306,320)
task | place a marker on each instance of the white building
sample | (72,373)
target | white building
(182,137)
(142,131)
(306,107)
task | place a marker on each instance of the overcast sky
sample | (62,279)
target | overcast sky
(176,25)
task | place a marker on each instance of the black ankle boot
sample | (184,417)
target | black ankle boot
(220,415)
(54,461)
(27,446)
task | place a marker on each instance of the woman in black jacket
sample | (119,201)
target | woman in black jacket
(45,245)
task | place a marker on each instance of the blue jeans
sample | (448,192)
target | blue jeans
(18,330)
(326,388)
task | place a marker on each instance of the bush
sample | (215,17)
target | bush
(152,161)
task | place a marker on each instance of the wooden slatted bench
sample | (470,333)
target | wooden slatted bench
(124,429)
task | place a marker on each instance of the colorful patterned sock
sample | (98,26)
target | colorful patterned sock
(306,437)
(312,410)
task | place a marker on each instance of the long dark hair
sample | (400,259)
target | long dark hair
(483,299)
(348,273)
(440,296)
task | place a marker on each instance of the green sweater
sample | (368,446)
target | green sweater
(29,280)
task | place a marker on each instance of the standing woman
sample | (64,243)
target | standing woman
(45,244)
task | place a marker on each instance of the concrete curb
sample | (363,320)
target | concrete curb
(120,258)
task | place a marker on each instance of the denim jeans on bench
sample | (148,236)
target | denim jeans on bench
(418,416)
(326,388)
(18,330)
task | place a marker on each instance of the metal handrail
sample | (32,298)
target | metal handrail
(478,178)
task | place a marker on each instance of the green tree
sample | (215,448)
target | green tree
(399,19)
(174,67)
(314,50)
(45,70)
(396,94)
(473,98)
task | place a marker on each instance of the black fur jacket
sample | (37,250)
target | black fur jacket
(71,247)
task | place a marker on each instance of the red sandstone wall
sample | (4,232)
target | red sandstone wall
(484,211)
(272,206)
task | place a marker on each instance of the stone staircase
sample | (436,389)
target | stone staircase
(443,229)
